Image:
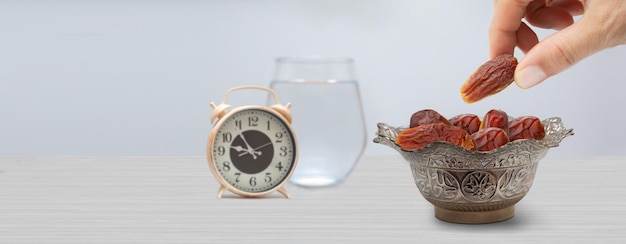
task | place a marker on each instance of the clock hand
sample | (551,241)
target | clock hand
(264,145)
(248,148)
(253,153)
(255,150)
(238,148)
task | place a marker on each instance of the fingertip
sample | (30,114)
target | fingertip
(529,76)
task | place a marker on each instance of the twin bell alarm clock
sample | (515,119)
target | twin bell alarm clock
(252,150)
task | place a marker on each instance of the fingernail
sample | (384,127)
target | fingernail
(530,76)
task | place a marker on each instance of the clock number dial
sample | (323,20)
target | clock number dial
(226,166)
(279,137)
(253,121)
(256,149)
(238,124)
(279,166)
(227,137)
(283,151)
(221,150)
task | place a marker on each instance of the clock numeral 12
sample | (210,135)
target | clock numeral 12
(253,121)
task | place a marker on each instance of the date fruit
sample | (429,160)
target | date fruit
(426,116)
(468,122)
(526,127)
(490,78)
(490,138)
(423,135)
(494,130)
(496,118)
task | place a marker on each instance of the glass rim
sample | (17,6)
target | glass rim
(313,59)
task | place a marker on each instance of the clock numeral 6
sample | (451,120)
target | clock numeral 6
(253,181)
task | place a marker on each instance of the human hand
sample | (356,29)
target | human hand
(602,25)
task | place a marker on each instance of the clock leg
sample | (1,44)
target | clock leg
(221,191)
(284,192)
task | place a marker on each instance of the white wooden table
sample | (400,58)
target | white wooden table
(173,200)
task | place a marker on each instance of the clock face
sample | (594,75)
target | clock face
(253,150)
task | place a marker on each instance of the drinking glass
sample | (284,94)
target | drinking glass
(327,116)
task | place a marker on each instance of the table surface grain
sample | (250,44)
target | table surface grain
(173,200)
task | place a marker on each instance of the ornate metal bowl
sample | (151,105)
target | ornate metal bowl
(471,186)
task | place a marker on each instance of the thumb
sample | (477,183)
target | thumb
(557,53)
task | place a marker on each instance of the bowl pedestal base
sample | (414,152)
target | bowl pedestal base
(481,217)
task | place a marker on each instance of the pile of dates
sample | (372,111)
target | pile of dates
(468,130)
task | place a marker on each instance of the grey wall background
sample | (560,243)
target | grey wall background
(134,78)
